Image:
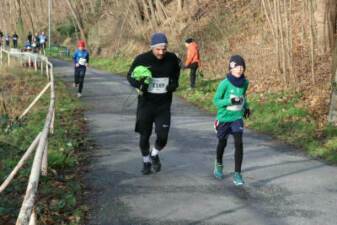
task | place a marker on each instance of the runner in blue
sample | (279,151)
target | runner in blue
(43,40)
(81,60)
(7,39)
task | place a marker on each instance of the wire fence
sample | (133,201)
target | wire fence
(27,214)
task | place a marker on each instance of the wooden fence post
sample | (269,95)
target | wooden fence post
(52,123)
(1,55)
(32,220)
(44,166)
(20,163)
(35,63)
(35,100)
(47,71)
(29,61)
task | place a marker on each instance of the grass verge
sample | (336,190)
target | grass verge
(280,114)
(59,198)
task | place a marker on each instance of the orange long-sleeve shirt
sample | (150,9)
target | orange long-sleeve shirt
(192,54)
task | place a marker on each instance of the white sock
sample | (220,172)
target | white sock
(154,151)
(147,159)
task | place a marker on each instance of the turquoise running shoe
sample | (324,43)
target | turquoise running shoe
(218,171)
(237,179)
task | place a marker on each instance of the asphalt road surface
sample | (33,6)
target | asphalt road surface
(283,185)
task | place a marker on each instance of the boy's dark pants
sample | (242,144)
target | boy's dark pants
(79,77)
(224,130)
(193,67)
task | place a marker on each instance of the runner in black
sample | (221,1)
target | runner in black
(30,37)
(155,99)
(37,38)
(15,40)
(1,36)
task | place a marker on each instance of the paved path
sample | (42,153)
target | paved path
(283,186)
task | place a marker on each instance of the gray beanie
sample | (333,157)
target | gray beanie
(158,39)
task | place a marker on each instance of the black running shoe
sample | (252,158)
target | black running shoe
(156,165)
(147,168)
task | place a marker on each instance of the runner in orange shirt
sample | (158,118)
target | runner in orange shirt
(193,59)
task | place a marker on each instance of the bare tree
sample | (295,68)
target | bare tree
(78,20)
(180,5)
(29,14)
(287,11)
(333,103)
(325,18)
(312,50)
(283,46)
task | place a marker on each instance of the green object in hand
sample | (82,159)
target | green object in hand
(141,72)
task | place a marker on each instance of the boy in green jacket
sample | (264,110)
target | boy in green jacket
(232,107)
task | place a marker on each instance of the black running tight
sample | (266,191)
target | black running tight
(160,143)
(238,151)
(79,77)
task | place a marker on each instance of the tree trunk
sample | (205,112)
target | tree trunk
(333,103)
(153,15)
(312,44)
(283,47)
(277,35)
(325,18)
(291,59)
(137,12)
(79,24)
(147,15)
(180,5)
(304,18)
(29,14)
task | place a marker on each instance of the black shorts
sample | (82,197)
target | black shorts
(227,128)
(147,114)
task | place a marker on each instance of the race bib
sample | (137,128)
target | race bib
(82,61)
(158,85)
(236,107)
(34,45)
(14,39)
(42,41)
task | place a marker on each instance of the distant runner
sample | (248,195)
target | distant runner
(232,107)
(15,40)
(1,36)
(35,45)
(37,39)
(7,39)
(28,45)
(43,40)
(30,37)
(155,99)
(81,59)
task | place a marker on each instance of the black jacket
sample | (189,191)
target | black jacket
(168,67)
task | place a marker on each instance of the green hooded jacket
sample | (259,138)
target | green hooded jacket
(222,99)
